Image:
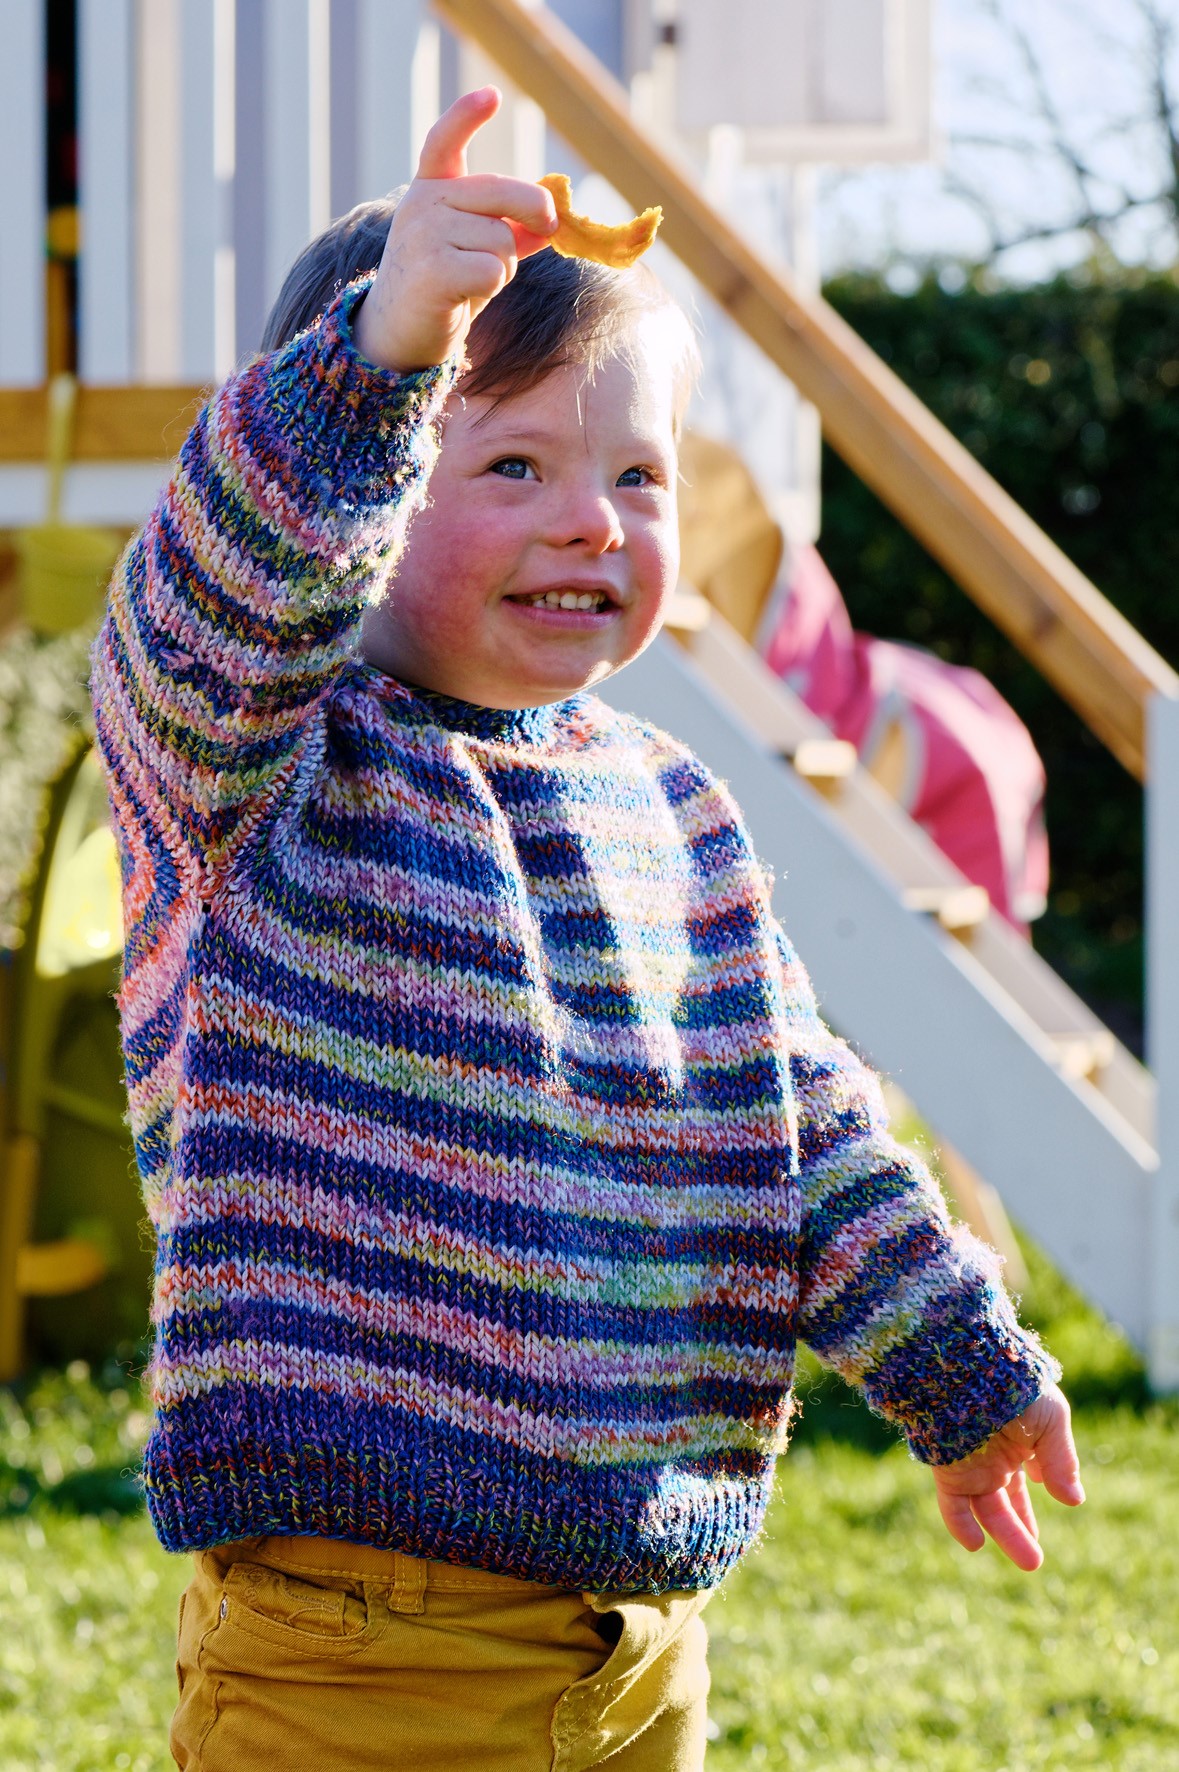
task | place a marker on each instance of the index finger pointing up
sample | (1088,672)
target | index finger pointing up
(444,151)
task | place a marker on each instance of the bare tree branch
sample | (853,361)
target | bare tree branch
(1102,199)
(1161,40)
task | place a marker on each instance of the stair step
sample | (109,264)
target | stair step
(959,909)
(1085,1055)
(826,763)
(687,612)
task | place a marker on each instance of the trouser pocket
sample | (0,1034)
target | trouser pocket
(645,1709)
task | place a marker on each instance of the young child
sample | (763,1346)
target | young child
(496,1153)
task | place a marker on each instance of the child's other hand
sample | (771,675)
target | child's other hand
(987,1492)
(454,242)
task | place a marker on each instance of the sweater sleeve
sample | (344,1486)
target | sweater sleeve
(234,609)
(904,1305)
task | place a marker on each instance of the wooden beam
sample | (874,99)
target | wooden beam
(1011,569)
(110,424)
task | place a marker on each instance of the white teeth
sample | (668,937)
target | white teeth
(569,600)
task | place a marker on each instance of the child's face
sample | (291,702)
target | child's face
(566,490)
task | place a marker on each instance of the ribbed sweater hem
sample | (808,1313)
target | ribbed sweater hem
(450,1498)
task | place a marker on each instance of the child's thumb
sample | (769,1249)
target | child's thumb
(444,151)
(1055,1459)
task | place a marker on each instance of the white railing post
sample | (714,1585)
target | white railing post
(1162,1006)
(106,190)
(297,130)
(22,195)
(396,91)
(206,343)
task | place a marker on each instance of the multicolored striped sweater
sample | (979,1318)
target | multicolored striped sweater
(496,1153)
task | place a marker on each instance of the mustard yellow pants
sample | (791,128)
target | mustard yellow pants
(311,1652)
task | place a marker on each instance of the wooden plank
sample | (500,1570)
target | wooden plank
(136,423)
(959,909)
(22,194)
(1023,581)
(826,763)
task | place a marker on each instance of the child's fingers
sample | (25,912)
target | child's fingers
(513,199)
(444,151)
(1021,1501)
(997,1515)
(1056,1459)
(481,233)
(959,1521)
(527,242)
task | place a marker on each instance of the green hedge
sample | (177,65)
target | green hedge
(1069,394)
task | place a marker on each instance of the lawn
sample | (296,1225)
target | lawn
(856,1637)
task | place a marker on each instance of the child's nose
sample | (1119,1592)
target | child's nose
(591,521)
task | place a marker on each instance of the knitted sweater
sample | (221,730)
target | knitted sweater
(495,1151)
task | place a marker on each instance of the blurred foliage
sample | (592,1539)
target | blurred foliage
(44,717)
(71,1440)
(1069,395)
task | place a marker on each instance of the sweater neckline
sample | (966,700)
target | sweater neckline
(429,707)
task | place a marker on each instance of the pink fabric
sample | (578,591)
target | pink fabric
(971,776)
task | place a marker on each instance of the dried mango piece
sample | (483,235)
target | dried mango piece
(579,237)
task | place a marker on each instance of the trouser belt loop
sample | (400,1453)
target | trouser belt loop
(409,1584)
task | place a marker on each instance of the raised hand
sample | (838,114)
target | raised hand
(988,1493)
(455,240)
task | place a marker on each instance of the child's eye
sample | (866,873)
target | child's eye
(512,467)
(635,477)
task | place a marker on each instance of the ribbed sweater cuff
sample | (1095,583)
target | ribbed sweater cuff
(973,1370)
(361,433)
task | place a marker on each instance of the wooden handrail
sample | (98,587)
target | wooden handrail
(1020,578)
(136,423)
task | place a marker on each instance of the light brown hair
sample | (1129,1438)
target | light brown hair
(555,311)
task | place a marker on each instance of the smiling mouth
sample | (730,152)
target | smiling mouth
(591,602)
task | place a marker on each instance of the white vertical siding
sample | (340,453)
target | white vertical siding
(1162,1033)
(22,195)
(286,99)
(106,190)
(157,183)
(344,100)
(396,91)
(514,140)
(252,294)
(199,190)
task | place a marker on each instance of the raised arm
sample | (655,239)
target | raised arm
(235,608)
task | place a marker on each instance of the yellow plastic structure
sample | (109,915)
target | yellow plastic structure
(64,566)
(65,1152)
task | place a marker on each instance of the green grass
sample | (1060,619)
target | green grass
(856,1638)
